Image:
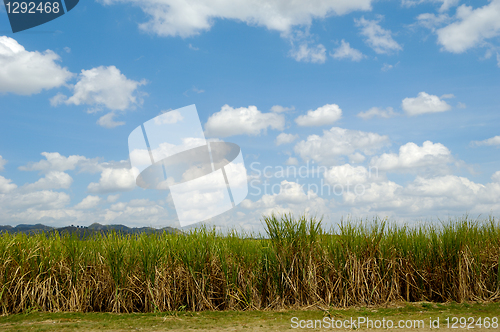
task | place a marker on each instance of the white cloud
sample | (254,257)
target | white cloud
(140,212)
(445,4)
(374,197)
(440,195)
(103,86)
(184,19)
(287,197)
(237,121)
(2,163)
(347,174)
(54,161)
(461,105)
(112,198)
(472,28)
(386,67)
(304,53)
(51,180)
(6,186)
(291,161)
(377,112)
(88,202)
(356,158)
(25,73)
(444,186)
(424,103)
(168,117)
(496,177)
(45,199)
(324,115)
(432,21)
(377,38)
(195,89)
(412,157)
(285,138)
(448,96)
(487,142)
(281,109)
(117,179)
(345,51)
(107,121)
(338,142)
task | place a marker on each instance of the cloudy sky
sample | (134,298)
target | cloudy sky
(341,108)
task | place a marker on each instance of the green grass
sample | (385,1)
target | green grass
(235,320)
(297,263)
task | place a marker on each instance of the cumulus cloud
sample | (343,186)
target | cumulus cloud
(387,67)
(112,180)
(444,186)
(103,86)
(54,161)
(40,200)
(291,161)
(107,121)
(377,112)
(445,4)
(237,121)
(287,197)
(140,212)
(432,21)
(378,38)
(6,186)
(338,142)
(412,157)
(496,177)
(51,180)
(348,174)
(305,53)
(345,51)
(88,202)
(471,28)
(424,103)
(184,19)
(356,158)
(281,109)
(493,141)
(285,138)
(2,163)
(324,115)
(26,73)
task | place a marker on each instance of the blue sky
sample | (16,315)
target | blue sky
(407,88)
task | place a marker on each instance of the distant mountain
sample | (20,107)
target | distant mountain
(82,231)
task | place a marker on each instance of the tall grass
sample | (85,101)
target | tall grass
(296,263)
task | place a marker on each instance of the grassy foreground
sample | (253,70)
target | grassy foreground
(297,264)
(256,320)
